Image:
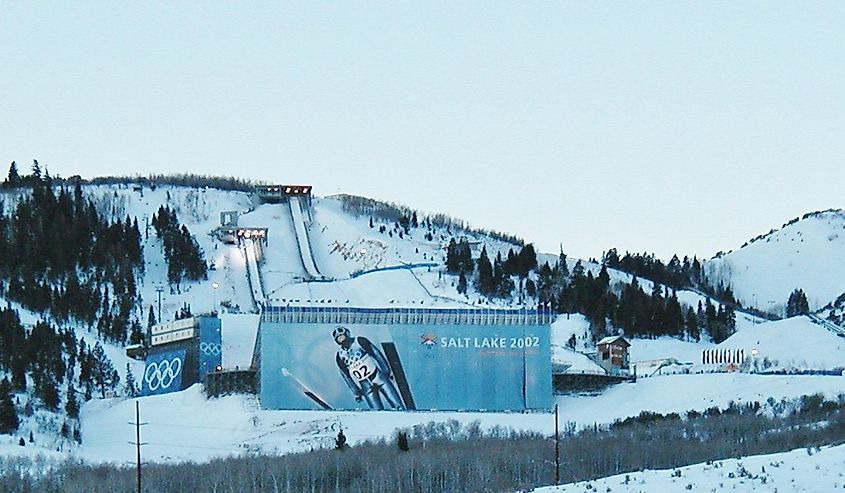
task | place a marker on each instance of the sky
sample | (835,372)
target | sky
(666,127)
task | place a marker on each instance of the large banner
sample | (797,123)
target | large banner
(405,367)
(210,346)
(163,372)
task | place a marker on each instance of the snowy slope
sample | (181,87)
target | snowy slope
(681,393)
(793,343)
(186,426)
(798,471)
(807,254)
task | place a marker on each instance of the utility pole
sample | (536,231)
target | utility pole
(138,424)
(557,449)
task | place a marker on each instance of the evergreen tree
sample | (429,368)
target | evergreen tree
(578,270)
(526,260)
(797,304)
(151,318)
(485,282)
(103,373)
(131,385)
(452,262)
(402,441)
(530,288)
(8,414)
(562,267)
(340,441)
(36,171)
(49,394)
(692,325)
(14,179)
(462,283)
(72,405)
(135,334)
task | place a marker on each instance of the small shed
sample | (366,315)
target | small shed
(612,354)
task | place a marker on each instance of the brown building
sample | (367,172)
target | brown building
(612,354)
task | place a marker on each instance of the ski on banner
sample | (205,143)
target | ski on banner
(308,392)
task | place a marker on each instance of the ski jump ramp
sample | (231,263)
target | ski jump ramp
(302,240)
(253,274)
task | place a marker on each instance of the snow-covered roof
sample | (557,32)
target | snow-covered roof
(612,339)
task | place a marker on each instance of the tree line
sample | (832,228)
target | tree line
(58,256)
(623,305)
(450,457)
(53,365)
(401,215)
(185,258)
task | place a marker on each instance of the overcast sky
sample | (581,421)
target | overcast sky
(668,127)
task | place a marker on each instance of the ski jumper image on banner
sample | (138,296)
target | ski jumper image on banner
(365,370)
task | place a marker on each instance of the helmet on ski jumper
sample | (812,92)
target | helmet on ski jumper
(340,330)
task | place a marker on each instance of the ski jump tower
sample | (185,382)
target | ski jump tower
(298,198)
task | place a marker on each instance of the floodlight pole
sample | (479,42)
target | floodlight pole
(159,290)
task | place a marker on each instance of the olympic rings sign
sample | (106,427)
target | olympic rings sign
(210,349)
(162,374)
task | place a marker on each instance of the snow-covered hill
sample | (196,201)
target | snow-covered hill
(368,267)
(799,471)
(795,343)
(808,253)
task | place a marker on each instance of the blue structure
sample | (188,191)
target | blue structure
(163,372)
(182,353)
(210,346)
(405,359)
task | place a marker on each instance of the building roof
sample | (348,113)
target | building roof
(613,339)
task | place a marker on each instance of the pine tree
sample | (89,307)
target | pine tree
(562,268)
(131,385)
(452,262)
(103,373)
(797,304)
(49,394)
(530,288)
(692,325)
(462,283)
(485,282)
(14,179)
(8,414)
(402,441)
(340,441)
(36,170)
(72,405)
(526,260)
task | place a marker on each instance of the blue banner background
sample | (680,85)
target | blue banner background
(448,367)
(161,375)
